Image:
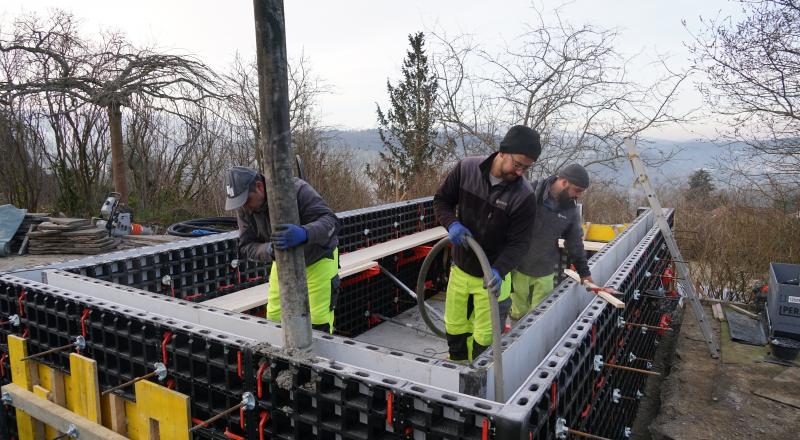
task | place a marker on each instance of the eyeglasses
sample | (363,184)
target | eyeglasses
(519,166)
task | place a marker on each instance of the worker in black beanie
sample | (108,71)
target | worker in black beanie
(488,199)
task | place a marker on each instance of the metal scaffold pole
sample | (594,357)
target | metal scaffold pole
(683,269)
(275,141)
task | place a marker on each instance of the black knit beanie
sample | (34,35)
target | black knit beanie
(522,140)
(575,174)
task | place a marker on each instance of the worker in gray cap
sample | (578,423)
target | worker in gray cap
(245,191)
(557,216)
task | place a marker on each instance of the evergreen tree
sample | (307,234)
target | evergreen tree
(700,185)
(407,129)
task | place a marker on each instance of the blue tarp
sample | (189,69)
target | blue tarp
(10,219)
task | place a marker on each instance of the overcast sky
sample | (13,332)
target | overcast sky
(355,45)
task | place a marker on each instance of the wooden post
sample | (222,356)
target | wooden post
(273,86)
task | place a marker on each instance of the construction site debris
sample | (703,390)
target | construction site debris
(70,236)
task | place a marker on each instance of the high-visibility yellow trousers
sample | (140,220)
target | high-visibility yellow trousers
(527,292)
(467,314)
(320,278)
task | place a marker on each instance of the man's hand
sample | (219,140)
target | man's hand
(494,284)
(288,236)
(587,279)
(269,252)
(458,233)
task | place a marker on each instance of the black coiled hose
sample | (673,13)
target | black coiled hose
(202,226)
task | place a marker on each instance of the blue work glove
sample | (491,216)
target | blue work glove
(494,284)
(288,236)
(457,233)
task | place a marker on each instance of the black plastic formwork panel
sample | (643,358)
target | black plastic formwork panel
(296,397)
(203,269)
(571,389)
(126,343)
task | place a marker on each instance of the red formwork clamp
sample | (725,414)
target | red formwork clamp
(164,341)
(259,376)
(389,408)
(84,317)
(19,302)
(262,423)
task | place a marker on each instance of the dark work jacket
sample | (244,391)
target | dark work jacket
(499,217)
(550,225)
(316,218)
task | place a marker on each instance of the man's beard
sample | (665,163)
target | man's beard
(564,200)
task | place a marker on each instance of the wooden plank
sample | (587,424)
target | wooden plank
(239,301)
(380,250)
(346,271)
(256,296)
(56,416)
(592,246)
(602,294)
(118,422)
(716,308)
(351,263)
(42,392)
(743,311)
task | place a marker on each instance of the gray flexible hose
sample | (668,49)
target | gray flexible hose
(497,354)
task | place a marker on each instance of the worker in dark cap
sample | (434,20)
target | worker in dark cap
(245,191)
(557,216)
(488,199)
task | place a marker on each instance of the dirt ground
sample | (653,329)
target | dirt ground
(705,398)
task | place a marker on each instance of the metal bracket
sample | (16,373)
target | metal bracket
(161,371)
(561,428)
(598,362)
(248,401)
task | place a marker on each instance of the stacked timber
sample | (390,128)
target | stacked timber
(29,223)
(70,236)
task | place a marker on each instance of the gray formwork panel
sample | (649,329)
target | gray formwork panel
(527,344)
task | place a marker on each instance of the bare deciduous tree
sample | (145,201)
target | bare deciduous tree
(22,148)
(330,168)
(567,82)
(106,75)
(752,68)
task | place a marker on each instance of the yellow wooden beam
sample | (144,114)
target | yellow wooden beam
(158,409)
(25,375)
(56,416)
(83,389)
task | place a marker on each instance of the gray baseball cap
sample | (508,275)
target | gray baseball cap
(237,186)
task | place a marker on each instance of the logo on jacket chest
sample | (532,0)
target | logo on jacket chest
(562,216)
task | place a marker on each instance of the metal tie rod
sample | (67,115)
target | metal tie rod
(599,364)
(248,402)
(562,430)
(160,371)
(413,294)
(79,343)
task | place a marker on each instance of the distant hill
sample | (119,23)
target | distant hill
(691,155)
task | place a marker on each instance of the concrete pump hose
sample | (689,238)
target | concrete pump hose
(497,353)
